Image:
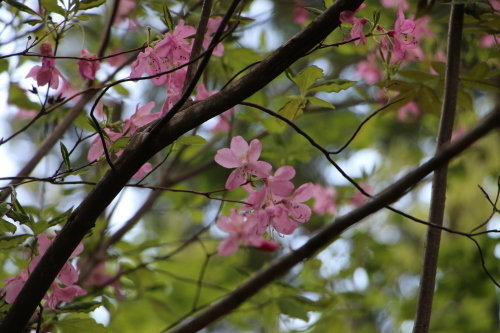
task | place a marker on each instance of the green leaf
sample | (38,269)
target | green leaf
(61,219)
(4,207)
(21,7)
(121,90)
(424,7)
(79,325)
(87,4)
(327,3)
(417,75)
(480,84)
(428,100)
(120,144)
(65,155)
(313,10)
(39,227)
(6,226)
(319,102)
(333,86)
(192,140)
(439,67)
(291,308)
(19,217)
(167,18)
(291,110)
(479,70)
(271,126)
(84,307)
(307,78)
(51,6)
(8,242)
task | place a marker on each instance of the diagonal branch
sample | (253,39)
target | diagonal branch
(283,264)
(143,146)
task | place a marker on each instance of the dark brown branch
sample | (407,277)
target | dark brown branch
(144,145)
(324,237)
(438,196)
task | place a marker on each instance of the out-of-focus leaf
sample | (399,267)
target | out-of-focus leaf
(428,100)
(21,7)
(79,325)
(192,140)
(61,219)
(119,144)
(4,65)
(439,67)
(167,18)
(84,307)
(334,85)
(8,242)
(313,10)
(291,308)
(418,76)
(87,4)
(51,6)
(320,102)
(424,7)
(480,84)
(18,97)
(479,70)
(271,126)
(6,226)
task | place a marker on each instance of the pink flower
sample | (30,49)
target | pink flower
(26,114)
(280,183)
(324,200)
(276,216)
(14,286)
(244,158)
(213,25)
(243,231)
(151,63)
(47,73)
(300,212)
(68,274)
(172,98)
(143,171)
(395,3)
(357,29)
(87,69)
(60,294)
(141,117)
(300,14)
(488,40)
(123,14)
(402,28)
(368,70)
(358,198)
(174,46)
(96,150)
(410,108)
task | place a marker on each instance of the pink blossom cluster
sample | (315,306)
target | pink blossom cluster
(275,206)
(68,276)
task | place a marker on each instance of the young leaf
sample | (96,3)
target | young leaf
(84,307)
(167,18)
(19,217)
(319,102)
(291,308)
(333,86)
(65,155)
(307,78)
(8,242)
(87,4)
(119,144)
(51,6)
(21,7)
(291,110)
(60,219)
(313,10)
(6,226)
(192,140)
(79,325)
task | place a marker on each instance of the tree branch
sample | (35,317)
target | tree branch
(143,146)
(280,266)
(438,196)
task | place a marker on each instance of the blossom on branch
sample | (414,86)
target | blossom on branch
(401,41)
(244,158)
(357,29)
(87,68)
(47,73)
